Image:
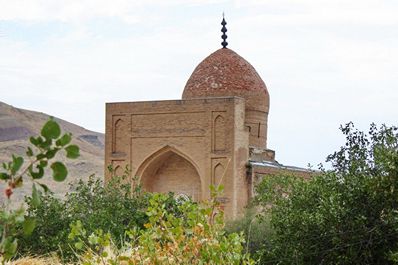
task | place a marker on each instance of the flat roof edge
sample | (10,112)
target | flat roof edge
(176,100)
(280,166)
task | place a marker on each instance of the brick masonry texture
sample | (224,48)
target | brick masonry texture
(225,73)
(207,138)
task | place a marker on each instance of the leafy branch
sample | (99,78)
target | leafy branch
(45,148)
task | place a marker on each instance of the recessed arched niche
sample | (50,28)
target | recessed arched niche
(169,171)
(219,134)
(218,174)
(119,131)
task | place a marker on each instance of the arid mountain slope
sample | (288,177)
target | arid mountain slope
(17,125)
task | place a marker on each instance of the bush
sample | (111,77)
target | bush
(194,236)
(256,233)
(112,208)
(347,215)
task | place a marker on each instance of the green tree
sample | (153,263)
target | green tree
(346,215)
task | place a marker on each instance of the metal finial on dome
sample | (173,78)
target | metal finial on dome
(224,36)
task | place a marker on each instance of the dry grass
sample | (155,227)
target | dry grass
(35,261)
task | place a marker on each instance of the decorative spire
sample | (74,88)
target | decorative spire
(224,43)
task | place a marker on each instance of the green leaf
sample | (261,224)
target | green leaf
(93,239)
(51,153)
(43,163)
(40,156)
(51,130)
(18,215)
(28,225)
(59,171)
(10,247)
(79,245)
(64,140)
(45,144)
(4,176)
(16,164)
(34,141)
(72,151)
(29,152)
(36,175)
(44,186)
(35,196)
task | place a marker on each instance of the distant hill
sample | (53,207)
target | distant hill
(17,125)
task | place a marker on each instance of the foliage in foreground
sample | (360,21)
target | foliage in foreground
(109,224)
(194,236)
(347,215)
(255,230)
(113,208)
(41,155)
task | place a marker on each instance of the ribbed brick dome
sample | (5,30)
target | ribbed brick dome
(225,73)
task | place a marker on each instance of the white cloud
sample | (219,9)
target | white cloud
(81,10)
(324,62)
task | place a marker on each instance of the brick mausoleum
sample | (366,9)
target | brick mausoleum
(216,134)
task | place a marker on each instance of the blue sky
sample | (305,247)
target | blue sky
(324,62)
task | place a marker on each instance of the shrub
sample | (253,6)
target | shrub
(112,208)
(347,215)
(256,233)
(194,236)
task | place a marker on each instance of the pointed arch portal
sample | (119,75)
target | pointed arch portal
(168,170)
